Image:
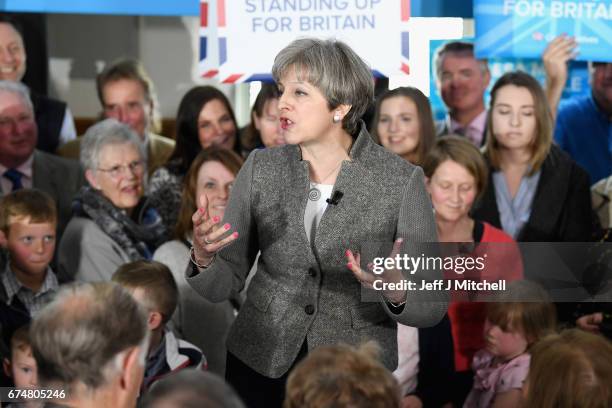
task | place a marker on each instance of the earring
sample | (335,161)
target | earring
(337,117)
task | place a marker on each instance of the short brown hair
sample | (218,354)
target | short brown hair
(544,125)
(460,49)
(571,369)
(157,282)
(461,151)
(342,376)
(36,205)
(20,340)
(427,131)
(189,202)
(525,307)
(130,69)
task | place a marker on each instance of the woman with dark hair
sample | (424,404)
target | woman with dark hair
(264,129)
(403,123)
(205,118)
(212,173)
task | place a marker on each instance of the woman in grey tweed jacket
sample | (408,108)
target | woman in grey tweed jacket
(307,289)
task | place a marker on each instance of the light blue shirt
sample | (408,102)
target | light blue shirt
(514,213)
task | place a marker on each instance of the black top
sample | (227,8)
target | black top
(561,209)
(49,115)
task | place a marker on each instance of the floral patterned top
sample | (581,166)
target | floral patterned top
(492,377)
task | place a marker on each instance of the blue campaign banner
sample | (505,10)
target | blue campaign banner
(522,28)
(419,8)
(124,7)
(577,82)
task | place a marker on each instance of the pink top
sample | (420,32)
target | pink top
(474,131)
(467,318)
(492,378)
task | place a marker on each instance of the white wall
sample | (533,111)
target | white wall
(80,45)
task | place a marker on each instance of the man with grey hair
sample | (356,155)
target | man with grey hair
(91,341)
(23,166)
(462,81)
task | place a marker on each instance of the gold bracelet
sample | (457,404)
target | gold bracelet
(195,262)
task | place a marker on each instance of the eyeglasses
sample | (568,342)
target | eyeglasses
(136,167)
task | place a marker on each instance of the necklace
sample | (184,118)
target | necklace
(314,194)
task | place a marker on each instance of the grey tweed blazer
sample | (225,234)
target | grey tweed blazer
(303,294)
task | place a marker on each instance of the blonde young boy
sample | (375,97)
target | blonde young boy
(20,365)
(152,285)
(28,220)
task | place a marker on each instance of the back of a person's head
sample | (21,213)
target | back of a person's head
(155,280)
(571,369)
(20,340)
(77,339)
(191,389)
(342,376)
(27,204)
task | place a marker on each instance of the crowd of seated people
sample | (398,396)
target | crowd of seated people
(97,236)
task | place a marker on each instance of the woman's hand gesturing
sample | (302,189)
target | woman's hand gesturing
(389,276)
(208,236)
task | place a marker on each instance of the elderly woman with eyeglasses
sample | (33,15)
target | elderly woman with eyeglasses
(112,221)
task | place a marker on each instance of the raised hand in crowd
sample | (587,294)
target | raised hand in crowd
(590,322)
(208,236)
(555,57)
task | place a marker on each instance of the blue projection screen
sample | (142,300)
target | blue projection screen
(126,7)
